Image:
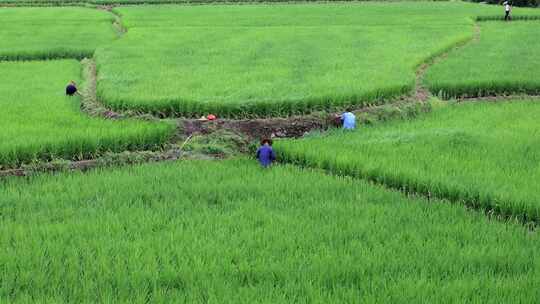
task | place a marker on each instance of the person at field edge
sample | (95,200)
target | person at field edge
(265,154)
(71,89)
(348,119)
(507,10)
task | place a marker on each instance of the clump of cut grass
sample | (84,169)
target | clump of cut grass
(220,143)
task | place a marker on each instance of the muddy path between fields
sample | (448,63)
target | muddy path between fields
(117,24)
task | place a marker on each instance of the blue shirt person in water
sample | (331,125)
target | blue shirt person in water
(265,154)
(349,120)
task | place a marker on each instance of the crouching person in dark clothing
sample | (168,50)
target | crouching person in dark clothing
(71,89)
(265,154)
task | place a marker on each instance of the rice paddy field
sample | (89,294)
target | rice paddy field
(207,231)
(482,153)
(39,122)
(263,60)
(127,2)
(33,33)
(440,207)
(503,61)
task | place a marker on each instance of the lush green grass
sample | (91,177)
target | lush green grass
(45,33)
(258,60)
(230,232)
(274,59)
(503,61)
(485,154)
(61,2)
(38,121)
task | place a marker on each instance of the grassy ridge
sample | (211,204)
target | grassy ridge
(232,232)
(51,33)
(484,154)
(38,121)
(264,60)
(503,61)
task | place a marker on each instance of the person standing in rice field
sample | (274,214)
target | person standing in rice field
(265,154)
(507,9)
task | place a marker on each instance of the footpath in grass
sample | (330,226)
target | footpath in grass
(232,232)
(487,155)
(265,60)
(39,122)
(51,33)
(503,61)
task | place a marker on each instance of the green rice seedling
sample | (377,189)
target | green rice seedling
(39,122)
(486,155)
(52,33)
(269,60)
(503,61)
(231,232)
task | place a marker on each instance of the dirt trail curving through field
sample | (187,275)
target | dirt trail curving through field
(421,92)
(118,25)
(89,101)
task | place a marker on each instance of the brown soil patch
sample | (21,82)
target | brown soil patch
(258,128)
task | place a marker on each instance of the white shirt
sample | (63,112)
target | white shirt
(507,7)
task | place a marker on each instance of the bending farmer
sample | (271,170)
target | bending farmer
(349,120)
(265,154)
(71,89)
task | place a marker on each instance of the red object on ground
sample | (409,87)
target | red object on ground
(211,117)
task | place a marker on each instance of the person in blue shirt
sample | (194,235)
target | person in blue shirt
(349,120)
(265,154)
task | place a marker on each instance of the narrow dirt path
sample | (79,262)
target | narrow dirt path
(172,153)
(89,101)
(117,23)
(421,92)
